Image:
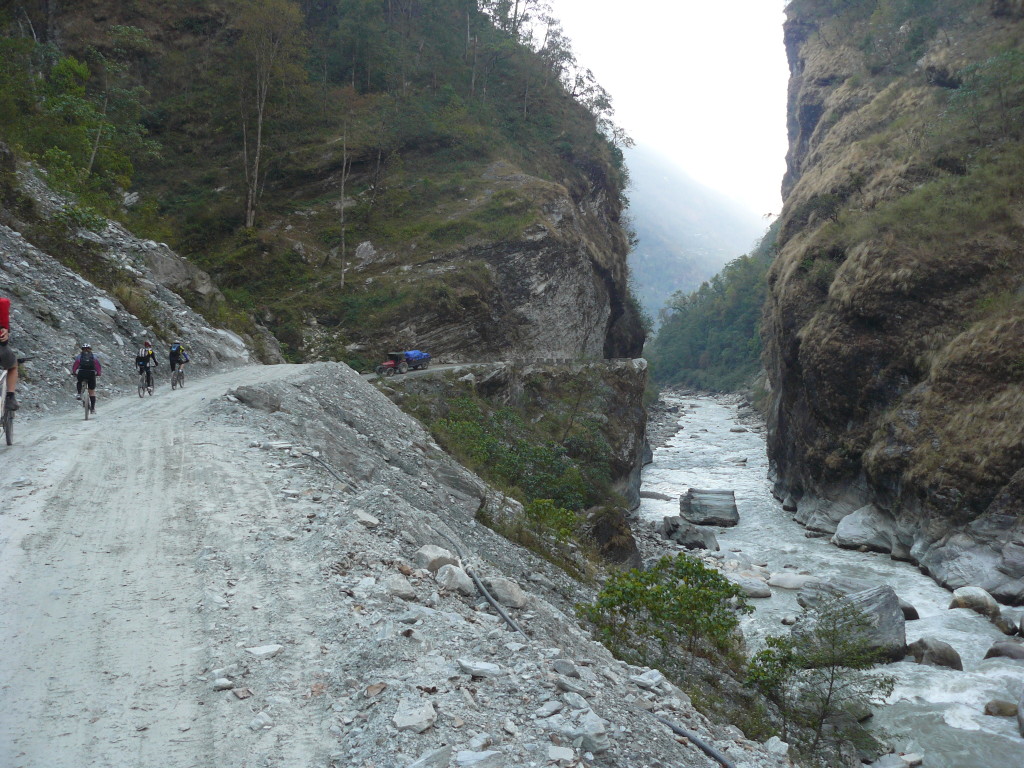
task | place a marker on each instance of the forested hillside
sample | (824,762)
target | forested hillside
(711,338)
(685,232)
(321,159)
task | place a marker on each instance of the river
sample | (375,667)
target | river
(937,712)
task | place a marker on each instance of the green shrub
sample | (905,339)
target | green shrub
(665,615)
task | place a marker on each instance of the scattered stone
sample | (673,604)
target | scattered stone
(561,755)
(565,667)
(438,758)
(688,536)
(549,708)
(575,701)
(476,668)
(777,746)
(223,684)
(265,651)
(414,715)
(454,579)
(786,580)
(261,721)
(366,520)
(432,557)
(649,680)
(570,686)
(396,584)
(506,592)
(491,758)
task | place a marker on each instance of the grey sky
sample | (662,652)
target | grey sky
(703,83)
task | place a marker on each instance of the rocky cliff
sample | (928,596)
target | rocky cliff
(55,308)
(893,327)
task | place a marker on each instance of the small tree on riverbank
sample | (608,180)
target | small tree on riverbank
(667,614)
(820,671)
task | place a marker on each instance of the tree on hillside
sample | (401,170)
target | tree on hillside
(270,54)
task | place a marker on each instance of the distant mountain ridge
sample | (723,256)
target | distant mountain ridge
(687,232)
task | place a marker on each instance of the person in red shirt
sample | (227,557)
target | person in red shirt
(8,360)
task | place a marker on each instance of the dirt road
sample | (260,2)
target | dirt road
(109,534)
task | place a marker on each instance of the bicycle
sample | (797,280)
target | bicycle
(6,416)
(86,404)
(178,377)
(145,386)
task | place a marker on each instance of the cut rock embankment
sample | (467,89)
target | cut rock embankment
(227,599)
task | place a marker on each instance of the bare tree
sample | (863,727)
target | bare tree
(270,52)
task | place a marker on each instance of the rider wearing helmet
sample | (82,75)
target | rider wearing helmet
(87,367)
(146,360)
(8,359)
(178,355)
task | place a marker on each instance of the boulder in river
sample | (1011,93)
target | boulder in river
(1007,649)
(709,507)
(1001,708)
(936,653)
(811,593)
(686,535)
(865,528)
(886,627)
(977,600)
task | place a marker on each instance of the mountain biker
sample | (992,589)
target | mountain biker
(8,359)
(146,360)
(87,367)
(178,355)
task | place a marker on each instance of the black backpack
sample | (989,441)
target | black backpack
(86,363)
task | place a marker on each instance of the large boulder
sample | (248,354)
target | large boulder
(609,529)
(836,586)
(688,536)
(936,653)
(866,528)
(709,507)
(977,600)
(886,627)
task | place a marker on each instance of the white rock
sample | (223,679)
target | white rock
(561,754)
(433,557)
(480,668)
(365,519)
(261,721)
(492,758)
(548,708)
(787,580)
(414,715)
(222,684)
(777,746)
(649,680)
(506,592)
(454,579)
(438,758)
(265,651)
(396,584)
(565,667)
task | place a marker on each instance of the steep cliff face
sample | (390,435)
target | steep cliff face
(893,328)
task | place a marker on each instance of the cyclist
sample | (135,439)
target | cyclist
(87,367)
(8,360)
(146,360)
(178,356)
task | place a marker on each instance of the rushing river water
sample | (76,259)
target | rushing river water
(935,711)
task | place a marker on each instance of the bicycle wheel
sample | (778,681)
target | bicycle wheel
(86,404)
(142,385)
(7,422)
(174,380)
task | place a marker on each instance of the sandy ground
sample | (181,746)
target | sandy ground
(102,537)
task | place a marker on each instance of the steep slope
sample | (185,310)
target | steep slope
(182,619)
(894,322)
(685,232)
(405,175)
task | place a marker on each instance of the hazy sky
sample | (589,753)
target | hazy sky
(700,81)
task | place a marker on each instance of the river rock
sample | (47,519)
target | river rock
(886,632)
(787,580)
(1000,708)
(752,588)
(687,536)
(936,653)
(865,528)
(837,586)
(977,600)
(655,495)
(1007,649)
(709,507)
